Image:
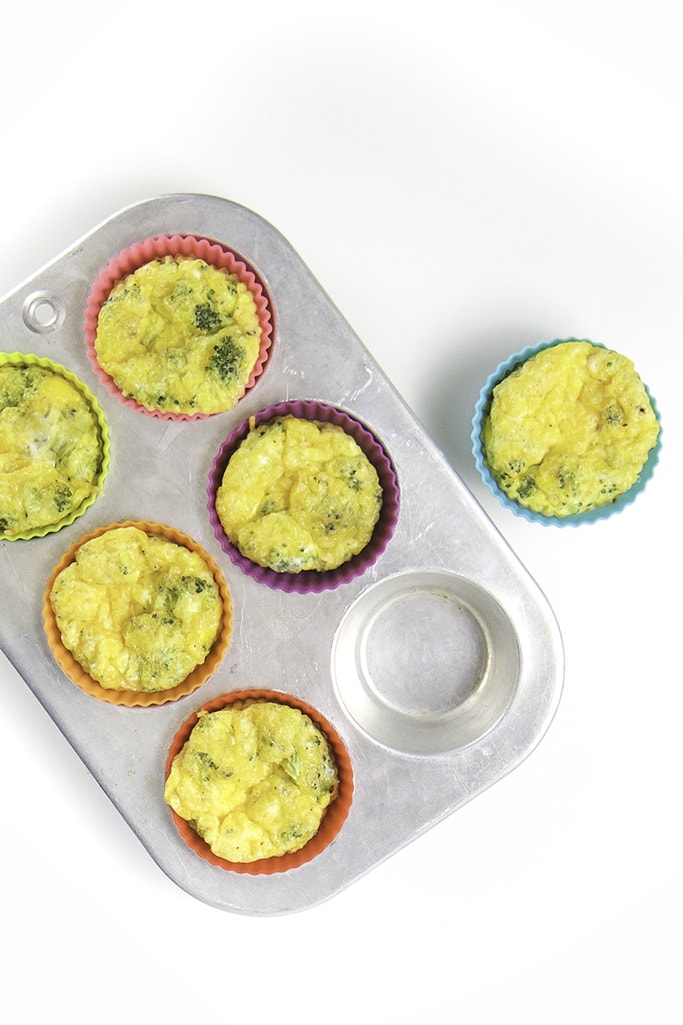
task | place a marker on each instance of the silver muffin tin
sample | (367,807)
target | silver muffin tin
(441,667)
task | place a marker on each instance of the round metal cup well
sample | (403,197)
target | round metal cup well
(425,662)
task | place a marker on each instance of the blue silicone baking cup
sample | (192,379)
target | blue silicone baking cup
(601,512)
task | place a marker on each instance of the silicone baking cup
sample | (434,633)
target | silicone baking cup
(136,256)
(590,516)
(311,580)
(335,814)
(20,359)
(131,699)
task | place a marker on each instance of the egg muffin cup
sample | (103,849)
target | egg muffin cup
(333,818)
(158,248)
(139,698)
(591,515)
(306,581)
(70,512)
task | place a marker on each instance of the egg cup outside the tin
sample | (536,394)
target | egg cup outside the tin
(189,246)
(311,580)
(601,512)
(335,814)
(130,698)
(28,359)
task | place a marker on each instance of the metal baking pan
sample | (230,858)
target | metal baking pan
(441,667)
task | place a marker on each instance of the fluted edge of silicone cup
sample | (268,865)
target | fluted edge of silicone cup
(139,699)
(308,581)
(29,359)
(335,814)
(602,512)
(131,259)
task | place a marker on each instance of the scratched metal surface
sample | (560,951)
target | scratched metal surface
(441,667)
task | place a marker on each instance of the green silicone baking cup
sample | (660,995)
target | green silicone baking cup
(23,359)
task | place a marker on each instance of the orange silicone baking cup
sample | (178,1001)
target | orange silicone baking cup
(335,814)
(157,247)
(199,675)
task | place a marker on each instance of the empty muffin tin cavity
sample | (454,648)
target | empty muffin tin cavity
(425,662)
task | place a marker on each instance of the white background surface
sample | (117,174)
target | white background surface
(463,179)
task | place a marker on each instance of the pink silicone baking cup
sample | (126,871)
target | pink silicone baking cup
(311,580)
(132,698)
(136,256)
(335,814)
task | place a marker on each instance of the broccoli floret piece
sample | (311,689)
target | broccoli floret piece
(284,563)
(526,487)
(294,832)
(19,384)
(206,318)
(270,426)
(7,522)
(210,769)
(171,592)
(195,584)
(566,480)
(292,765)
(351,479)
(226,360)
(62,497)
(206,759)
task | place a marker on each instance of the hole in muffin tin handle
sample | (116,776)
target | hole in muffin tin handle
(43,312)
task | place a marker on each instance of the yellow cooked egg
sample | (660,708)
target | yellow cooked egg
(299,495)
(253,781)
(50,448)
(569,430)
(136,610)
(180,336)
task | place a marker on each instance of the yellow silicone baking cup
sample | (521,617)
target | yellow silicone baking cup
(22,359)
(130,698)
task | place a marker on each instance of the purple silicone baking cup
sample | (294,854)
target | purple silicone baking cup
(308,581)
